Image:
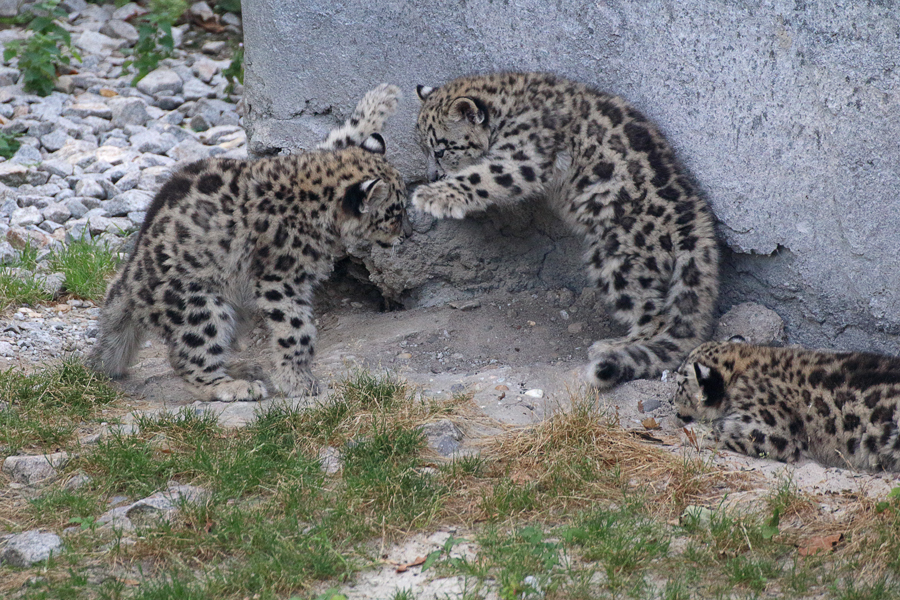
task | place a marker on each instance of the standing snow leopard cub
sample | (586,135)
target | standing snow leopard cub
(226,240)
(840,409)
(608,172)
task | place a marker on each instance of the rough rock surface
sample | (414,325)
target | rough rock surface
(34,469)
(30,547)
(793,140)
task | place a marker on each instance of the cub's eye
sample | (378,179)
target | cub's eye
(439,153)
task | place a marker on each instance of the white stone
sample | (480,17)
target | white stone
(88,109)
(202,11)
(216,134)
(57,212)
(23,217)
(8,76)
(194,89)
(128,111)
(14,175)
(54,140)
(33,469)
(113,155)
(127,11)
(190,150)
(128,202)
(162,81)
(535,393)
(90,188)
(204,69)
(152,178)
(153,142)
(26,155)
(94,42)
(122,30)
(213,47)
(30,547)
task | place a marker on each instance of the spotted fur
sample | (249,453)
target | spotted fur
(840,409)
(609,173)
(228,241)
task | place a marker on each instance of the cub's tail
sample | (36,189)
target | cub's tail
(120,336)
(683,323)
(369,116)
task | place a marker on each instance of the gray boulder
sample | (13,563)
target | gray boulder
(30,547)
(162,81)
(34,469)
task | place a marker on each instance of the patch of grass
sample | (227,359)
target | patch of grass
(507,498)
(63,507)
(27,257)
(45,408)
(86,264)
(524,563)
(854,590)
(751,571)
(622,541)
(18,288)
(9,144)
(382,475)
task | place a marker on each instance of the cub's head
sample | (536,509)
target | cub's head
(373,203)
(701,391)
(453,128)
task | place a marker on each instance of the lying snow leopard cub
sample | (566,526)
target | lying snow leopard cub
(498,139)
(225,240)
(838,409)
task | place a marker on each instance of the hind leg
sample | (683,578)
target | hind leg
(636,296)
(200,341)
(121,333)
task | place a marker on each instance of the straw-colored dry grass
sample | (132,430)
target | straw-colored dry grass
(581,456)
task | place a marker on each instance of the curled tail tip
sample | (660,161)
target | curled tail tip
(603,373)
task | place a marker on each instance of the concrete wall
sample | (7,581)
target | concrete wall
(785,112)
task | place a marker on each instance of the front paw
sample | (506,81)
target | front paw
(439,201)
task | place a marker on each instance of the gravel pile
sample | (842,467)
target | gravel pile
(95,151)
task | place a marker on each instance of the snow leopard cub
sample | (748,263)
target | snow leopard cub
(840,409)
(228,240)
(498,139)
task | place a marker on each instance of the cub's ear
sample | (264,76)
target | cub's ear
(359,196)
(374,144)
(711,383)
(467,108)
(423,91)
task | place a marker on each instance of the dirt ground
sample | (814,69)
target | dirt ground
(520,355)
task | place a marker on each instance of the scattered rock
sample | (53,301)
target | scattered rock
(330,459)
(30,547)
(444,436)
(34,469)
(162,81)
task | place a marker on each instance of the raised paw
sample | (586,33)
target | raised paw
(438,201)
(239,390)
(381,101)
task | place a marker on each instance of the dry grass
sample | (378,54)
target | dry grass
(583,455)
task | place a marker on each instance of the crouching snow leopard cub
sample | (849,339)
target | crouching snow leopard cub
(840,409)
(608,172)
(227,240)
